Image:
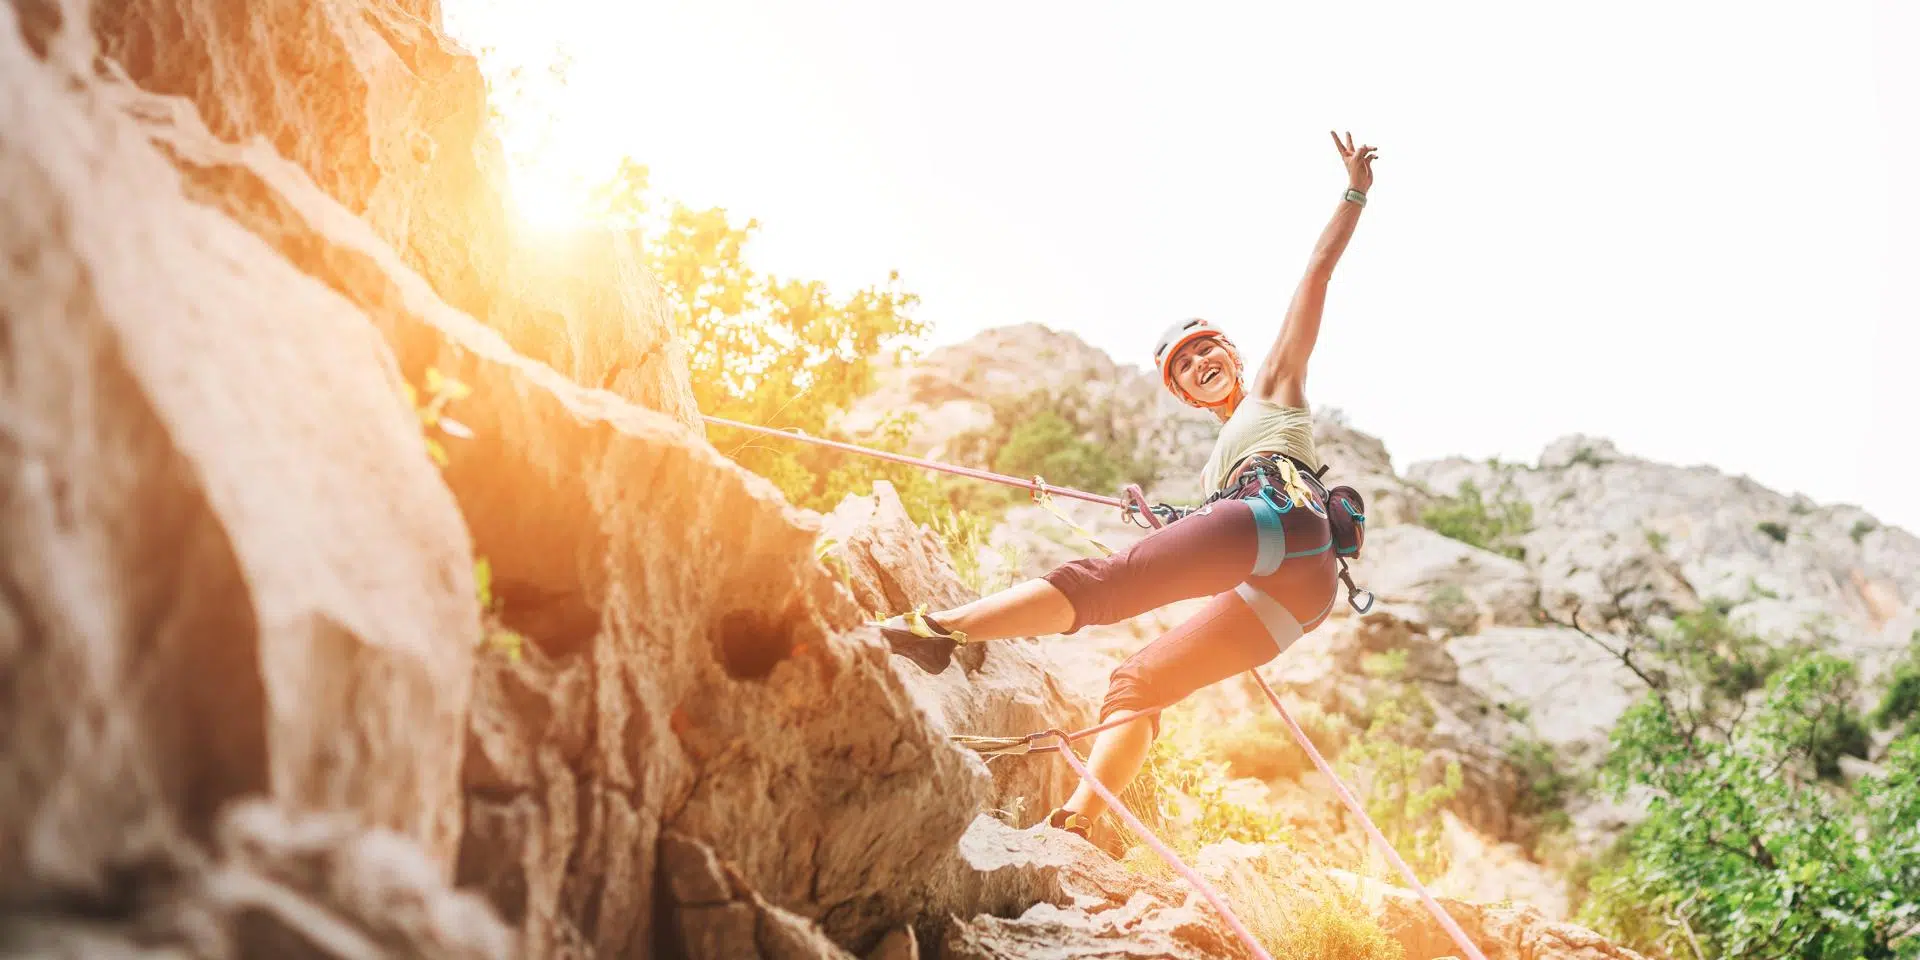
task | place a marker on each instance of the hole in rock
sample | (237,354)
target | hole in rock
(750,644)
(559,622)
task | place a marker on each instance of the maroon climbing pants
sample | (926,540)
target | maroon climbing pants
(1271,575)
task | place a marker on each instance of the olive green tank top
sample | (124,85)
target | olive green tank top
(1260,426)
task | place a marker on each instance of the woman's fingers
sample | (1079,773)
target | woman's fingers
(1337,145)
(1349,141)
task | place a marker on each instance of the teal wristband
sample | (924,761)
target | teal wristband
(1355,196)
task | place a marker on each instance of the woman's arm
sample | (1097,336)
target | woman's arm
(1282,376)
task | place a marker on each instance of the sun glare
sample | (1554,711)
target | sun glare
(546,198)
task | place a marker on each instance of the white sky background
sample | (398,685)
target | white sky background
(1687,227)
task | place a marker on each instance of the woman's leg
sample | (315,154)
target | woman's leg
(1029,609)
(1202,554)
(1118,754)
(1223,639)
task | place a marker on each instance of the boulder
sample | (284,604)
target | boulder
(401,139)
(227,567)
(1569,689)
(1414,565)
(1006,688)
(273,885)
(728,694)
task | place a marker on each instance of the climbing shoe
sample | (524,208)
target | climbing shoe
(922,639)
(1077,824)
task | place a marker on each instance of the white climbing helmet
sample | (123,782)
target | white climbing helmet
(1181,334)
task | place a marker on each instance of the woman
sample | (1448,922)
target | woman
(1261,549)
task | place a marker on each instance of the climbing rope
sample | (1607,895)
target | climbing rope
(1166,853)
(1135,504)
(1132,502)
(1039,488)
(1440,914)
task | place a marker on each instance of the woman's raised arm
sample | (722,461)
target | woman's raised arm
(1282,376)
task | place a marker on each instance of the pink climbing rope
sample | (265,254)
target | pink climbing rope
(1035,485)
(1440,914)
(1137,499)
(1166,853)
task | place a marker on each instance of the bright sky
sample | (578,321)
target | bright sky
(1676,225)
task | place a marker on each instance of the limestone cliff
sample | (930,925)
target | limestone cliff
(252,709)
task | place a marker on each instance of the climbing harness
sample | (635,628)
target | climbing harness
(1284,483)
(1292,490)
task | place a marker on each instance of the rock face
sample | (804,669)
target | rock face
(952,390)
(400,139)
(688,665)
(250,707)
(724,698)
(1462,586)
(225,568)
(1001,689)
(1620,533)
(313,886)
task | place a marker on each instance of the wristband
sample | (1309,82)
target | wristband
(1355,196)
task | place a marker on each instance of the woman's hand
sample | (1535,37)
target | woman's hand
(1359,161)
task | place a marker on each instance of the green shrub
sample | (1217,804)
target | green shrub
(1725,663)
(1048,446)
(1861,528)
(1740,855)
(1900,704)
(1777,531)
(1449,606)
(1263,748)
(1588,456)
(1063,434)
(1182,792)
(1657,540)
(1545,785)
(1389,769)
(1337,931)
(1470,518)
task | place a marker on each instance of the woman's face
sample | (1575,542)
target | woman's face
(1205,370)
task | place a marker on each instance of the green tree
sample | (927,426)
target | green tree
(1066,435)
(774,351)
(1745,852)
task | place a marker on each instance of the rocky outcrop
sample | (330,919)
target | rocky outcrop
(722,699)
(226,569)
(953,390)
(715,916)
(1141,927)
(664,591)
(1619,534)
(312,886)
(1000,689)
(1461,587)
(238,614)
(1501,932)
(400,138)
